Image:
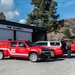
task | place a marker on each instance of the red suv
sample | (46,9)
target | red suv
(55,47)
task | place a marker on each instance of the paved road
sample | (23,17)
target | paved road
(60,66)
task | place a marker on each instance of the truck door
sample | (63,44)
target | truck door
(13,48)
(21,49)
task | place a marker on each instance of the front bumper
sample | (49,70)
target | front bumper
(43,56)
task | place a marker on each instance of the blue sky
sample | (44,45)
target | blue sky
(17,10)
(66,8)
(24,7)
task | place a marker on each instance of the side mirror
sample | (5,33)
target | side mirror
(24,46)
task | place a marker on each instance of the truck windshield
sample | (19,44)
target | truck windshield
(30,44)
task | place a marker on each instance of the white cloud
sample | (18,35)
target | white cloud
(7,5)
(22,21)
(17,13)
(9,10)
(12,15)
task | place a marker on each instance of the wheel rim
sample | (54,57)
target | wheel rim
(1,55)
(52,54)
(33,57)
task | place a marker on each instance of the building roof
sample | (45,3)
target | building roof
(4,22)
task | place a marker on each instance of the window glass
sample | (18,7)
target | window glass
(21,44)
(42,44)
(13,43)
(52,43)
(55,43)
(29,43)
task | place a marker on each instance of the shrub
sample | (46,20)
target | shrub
(67,33)
(73,30)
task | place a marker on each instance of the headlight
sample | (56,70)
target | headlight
(44,50)
(41,51)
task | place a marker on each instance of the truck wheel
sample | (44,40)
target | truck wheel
(33,57)
(1,55)
(52,54)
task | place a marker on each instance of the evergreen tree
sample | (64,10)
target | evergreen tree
(60,23)
(44,14)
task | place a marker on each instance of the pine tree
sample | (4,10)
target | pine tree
(44,14)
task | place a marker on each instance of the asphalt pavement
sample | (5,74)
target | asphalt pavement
(59,66)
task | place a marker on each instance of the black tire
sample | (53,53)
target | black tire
(1,55)
(33,57)
(52,54)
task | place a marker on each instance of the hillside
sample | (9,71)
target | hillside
(67,24)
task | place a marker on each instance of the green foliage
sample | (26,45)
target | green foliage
(73,30)
(2,16)
(61,23)
(44,14)
(67,33)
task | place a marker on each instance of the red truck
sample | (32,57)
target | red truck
(23,49)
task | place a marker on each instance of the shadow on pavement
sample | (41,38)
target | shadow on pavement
(52,60)
(66,56)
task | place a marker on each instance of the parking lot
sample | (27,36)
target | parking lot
(60,66)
